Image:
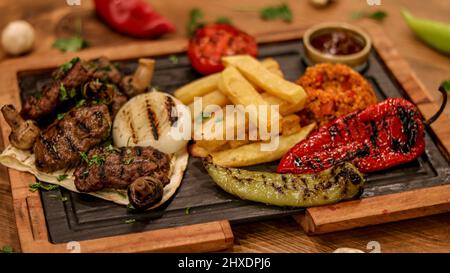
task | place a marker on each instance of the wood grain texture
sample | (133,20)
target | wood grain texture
(52,19)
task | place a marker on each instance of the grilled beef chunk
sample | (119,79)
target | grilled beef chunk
(35,108)
(118,167)
(105,93)
(70,77)
(60,145)
(102,69)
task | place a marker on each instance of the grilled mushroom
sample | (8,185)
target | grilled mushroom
(145,192)
(23,132)
(140,80)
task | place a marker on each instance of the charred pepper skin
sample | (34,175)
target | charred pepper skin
(382,136)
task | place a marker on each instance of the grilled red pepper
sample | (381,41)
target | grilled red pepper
(381,136)
(133,17)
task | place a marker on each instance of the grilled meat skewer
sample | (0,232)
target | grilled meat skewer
(60,145)
(118,167)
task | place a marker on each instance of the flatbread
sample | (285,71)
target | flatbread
(25,161)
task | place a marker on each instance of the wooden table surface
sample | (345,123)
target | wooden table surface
(53,18)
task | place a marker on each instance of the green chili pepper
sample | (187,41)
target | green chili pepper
(435,34)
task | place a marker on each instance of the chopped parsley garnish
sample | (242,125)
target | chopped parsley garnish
(84,157)
(282,12)
(84,174)
(129,161)
(224,20)
(60,116)
(446,85)
(7,249)
(194,23)
(130,221)
(62,93)
(187,211)
(61,177)
(96,159)
(112,149)
(65,67)
(130,206)
(80,103)
(70,44)
(72,93)
(377,15)
(38,185)
(173,59)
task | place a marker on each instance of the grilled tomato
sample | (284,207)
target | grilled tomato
(211,42)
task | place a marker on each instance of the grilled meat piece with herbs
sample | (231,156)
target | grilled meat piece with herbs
(66,79)
(105,93)
(61,144)
(109,167)
(102,69)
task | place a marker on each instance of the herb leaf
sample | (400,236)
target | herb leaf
(62,93)
(65,67)
(7,249)
(70,44)
(129,161)
(61,177)
(38,185)
(60,116)
(173,59)
(195,17)
(224,20)
(130,221)
(80,103)
(446,85)
(378,15)
(282,12)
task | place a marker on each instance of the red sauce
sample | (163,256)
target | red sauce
(337,43)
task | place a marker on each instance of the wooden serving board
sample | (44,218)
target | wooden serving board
(217,235)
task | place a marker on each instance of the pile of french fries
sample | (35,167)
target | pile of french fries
(245,81)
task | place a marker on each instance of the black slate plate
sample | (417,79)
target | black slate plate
(198,199)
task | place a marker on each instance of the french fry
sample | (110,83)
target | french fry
(240,92)
(290,125)
(198,151)
(285,107)
(260,76)
(252,154)
(273,66)
(197,88)
(214,98)
(212,145)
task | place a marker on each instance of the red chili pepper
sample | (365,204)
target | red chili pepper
(133,17)
(381,136)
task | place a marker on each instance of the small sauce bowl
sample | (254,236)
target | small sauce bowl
(343,43)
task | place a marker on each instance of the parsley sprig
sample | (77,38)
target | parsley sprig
(196,21)
(38,185)
(282,12)
(378,15)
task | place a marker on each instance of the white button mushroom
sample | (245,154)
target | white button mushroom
(17,37)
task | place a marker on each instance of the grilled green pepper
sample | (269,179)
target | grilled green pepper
(435,34)
(335,184)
